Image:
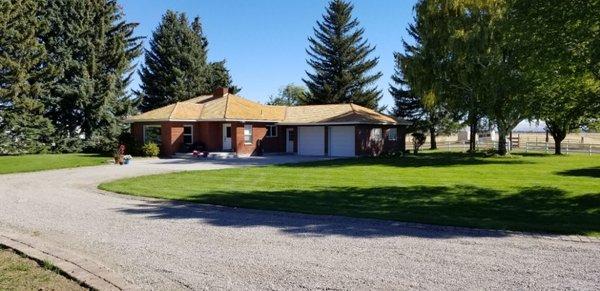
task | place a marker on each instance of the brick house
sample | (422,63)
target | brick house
(227,122)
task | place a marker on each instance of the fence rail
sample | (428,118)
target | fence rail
(567,147)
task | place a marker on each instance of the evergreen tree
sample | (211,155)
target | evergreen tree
(94,48)
(339,56)
(407,105)
(175,66)
(23,127)
(433,118)
(219,77)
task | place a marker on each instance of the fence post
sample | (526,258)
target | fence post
(546,148)
(567,148)
(448,145)
(526,146)
(590,150)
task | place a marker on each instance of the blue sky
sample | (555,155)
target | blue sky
(264,41)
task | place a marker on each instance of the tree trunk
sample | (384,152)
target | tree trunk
(432,134)
(557,147)
(473,137)
(502,143)
(558,133)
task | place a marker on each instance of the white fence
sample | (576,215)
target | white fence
(543,147)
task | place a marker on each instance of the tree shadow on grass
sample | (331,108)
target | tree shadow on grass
(530,209)
(420,160)
(593,172)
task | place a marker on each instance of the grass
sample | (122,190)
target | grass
(33,163)
(19,273)
(546,193)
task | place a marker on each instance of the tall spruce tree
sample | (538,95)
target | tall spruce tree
(219,77)
(23,70)
(94,48)
(339,56)
(175,66)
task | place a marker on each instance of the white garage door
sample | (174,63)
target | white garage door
(341,141)
(311,140)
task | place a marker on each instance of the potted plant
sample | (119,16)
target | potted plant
(127,159)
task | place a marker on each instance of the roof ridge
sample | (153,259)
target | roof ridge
(226,106)
(174,107)
(201,109)
(352,107)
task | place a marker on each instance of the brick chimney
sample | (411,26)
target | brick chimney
(220,92)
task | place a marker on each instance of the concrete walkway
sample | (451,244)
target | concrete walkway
(152,244)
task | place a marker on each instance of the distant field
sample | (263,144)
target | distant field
(32,163)
(588,138)
(529,192)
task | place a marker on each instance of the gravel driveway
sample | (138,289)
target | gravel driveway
(166,245)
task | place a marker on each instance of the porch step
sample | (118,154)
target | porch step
(211,155)
(222,155)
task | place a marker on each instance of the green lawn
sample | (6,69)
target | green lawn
(32,163)
(532,192)
(19,273)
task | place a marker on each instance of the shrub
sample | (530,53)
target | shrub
(150,150)
(418,139)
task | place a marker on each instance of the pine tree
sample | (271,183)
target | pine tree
(175,66)
(23,127)
(219,77)
(94,48)
(339,56)
(407,105)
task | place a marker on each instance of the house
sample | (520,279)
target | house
(227,122)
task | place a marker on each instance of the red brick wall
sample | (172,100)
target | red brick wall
(137,132)
(259,131)
(171,135)
(211,135)
(367,147)
(275,144)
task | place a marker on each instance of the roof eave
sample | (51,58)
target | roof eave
(338,123)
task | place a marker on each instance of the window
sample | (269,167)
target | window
(248,133)
(376,134)
(271,130)
(152,134)
(392,134)
(188,134)
(228,131)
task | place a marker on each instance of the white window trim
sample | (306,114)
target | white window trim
(388,134)
(148,126)
(269,127)
(251,134)
(191,134)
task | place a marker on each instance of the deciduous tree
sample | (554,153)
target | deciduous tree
(289,95)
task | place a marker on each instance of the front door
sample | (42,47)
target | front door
(289,140)
(226,137)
